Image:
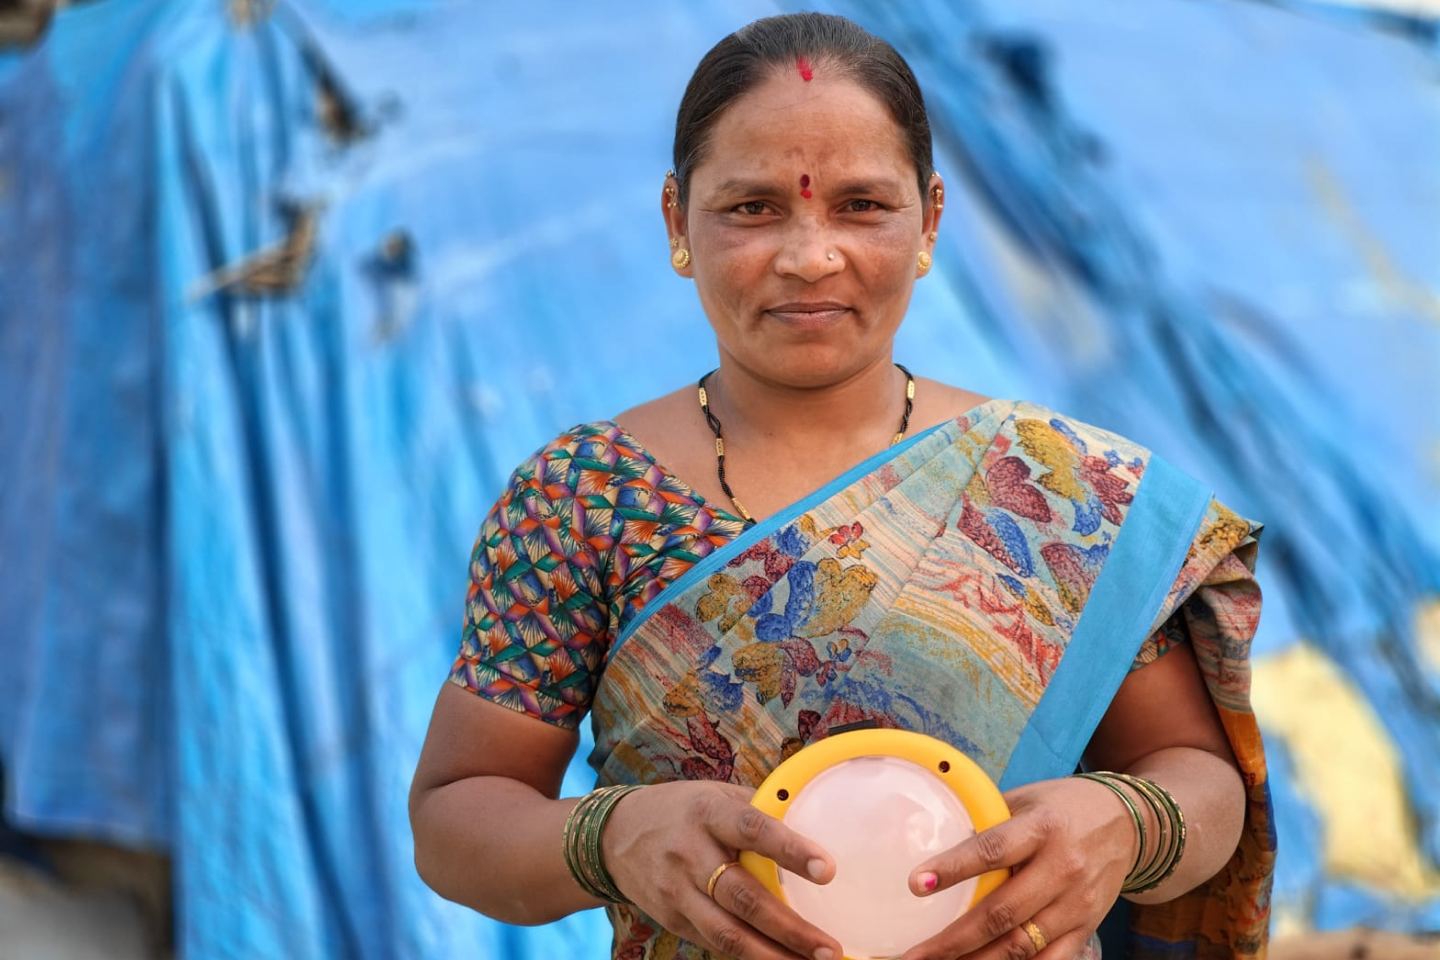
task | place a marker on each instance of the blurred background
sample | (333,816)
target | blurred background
(286,289)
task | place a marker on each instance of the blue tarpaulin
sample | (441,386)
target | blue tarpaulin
(234,525)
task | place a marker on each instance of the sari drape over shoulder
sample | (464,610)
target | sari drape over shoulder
(988,582)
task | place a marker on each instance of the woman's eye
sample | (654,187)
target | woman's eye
(862,206)
(753,207)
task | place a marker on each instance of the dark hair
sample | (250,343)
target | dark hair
(740,61)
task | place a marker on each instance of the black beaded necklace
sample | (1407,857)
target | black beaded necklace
(714,422)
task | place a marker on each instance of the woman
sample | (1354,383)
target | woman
(815,539)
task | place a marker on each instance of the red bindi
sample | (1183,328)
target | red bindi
(803,66)
(805,186)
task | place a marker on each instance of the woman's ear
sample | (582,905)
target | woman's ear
(674,215)
(934,207)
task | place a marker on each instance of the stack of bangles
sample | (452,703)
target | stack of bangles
(582,842)
(1169,846)
(586,822)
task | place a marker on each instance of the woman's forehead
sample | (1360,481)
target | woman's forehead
(786,120)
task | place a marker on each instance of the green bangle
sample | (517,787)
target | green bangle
(1169,844)
(581,838)
(586,824)
(1169,814)
(1164,841)
(594,826)
(1144,878)
(1172,825)
(599,816)
(1104,780)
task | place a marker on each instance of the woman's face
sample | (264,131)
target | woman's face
(804,222)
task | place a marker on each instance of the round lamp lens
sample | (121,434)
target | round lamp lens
(880,818)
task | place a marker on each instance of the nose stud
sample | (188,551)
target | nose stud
(830,255)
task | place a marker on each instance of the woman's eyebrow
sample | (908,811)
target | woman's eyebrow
(871,185)
(737,185)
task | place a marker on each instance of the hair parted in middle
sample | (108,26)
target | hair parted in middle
(810,42)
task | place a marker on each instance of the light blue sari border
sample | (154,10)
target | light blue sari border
(765,528)
(1144,560)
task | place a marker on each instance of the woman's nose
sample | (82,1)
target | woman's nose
(808,253)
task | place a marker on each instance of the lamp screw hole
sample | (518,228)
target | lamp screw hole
(944,766)
(782,794)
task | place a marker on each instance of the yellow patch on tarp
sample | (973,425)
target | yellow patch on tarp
(1347,767)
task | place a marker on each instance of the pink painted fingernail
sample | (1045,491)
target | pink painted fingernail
(824,953)
(816,868)
(929,881)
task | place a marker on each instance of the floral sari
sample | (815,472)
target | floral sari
(989,582)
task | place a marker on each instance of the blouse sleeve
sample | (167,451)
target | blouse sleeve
(1170,635)
(534,634)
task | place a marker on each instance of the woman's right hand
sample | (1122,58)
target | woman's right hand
(662,843)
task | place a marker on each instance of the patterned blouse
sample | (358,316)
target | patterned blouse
(587,532)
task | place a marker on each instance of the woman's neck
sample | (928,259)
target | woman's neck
(862,410)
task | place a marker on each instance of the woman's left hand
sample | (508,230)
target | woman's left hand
(1069,842)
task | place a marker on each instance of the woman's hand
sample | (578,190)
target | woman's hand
(1070,843)
(662,844)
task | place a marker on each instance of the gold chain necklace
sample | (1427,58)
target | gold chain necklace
(714,422)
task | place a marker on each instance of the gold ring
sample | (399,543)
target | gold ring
(1037,939)
(715,877)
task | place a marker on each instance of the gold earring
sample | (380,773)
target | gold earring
(674,242)
(933,235)
(680,259)
(924,261)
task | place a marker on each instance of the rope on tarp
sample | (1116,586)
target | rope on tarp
(276,271)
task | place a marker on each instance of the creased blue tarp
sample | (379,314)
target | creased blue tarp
(233,532)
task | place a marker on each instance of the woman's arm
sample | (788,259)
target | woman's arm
(484,812)
(489,834)
(1163,726)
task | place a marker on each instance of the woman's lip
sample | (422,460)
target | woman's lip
(811,306)
(797,314)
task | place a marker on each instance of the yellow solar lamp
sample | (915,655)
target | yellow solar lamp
(881,802)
